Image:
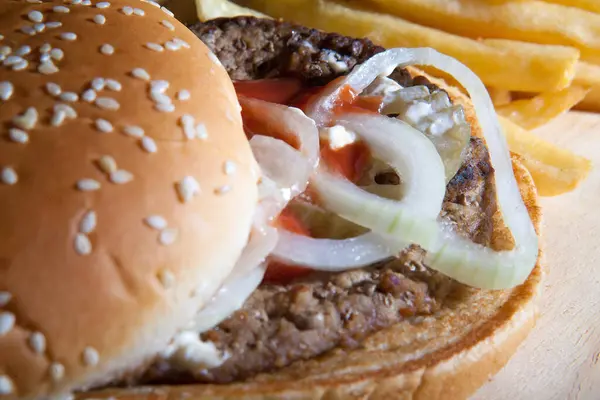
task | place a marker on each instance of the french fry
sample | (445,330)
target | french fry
(554,170)
(587,75)
(209,9)
(537,111)
(529,21)
(499,97)
(589,5)
(591,101)
(535,69)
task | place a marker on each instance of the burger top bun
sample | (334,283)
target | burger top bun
(127,188)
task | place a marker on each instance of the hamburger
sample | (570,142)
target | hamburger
(322,220)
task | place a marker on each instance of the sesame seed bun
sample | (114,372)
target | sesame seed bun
(124,201)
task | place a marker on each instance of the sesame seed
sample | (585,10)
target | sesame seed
(140,73)
(89,95)
(41,27)
(23,51)
(45,48)
(222,189)
(69,36)
(107,164)
(103,125)
(103,4)
(172,45)
(70,111)
(44,58)
(182,42)
(53,89)
(152,2)
(6,385)
(8,176)
(86,2)
(127,10)
(57,54)
(37,341)
(88,222)
(69,96)
(11,60)
(168,236)
(5,298)
(166,278)
(34,1)
(187,122)
(164,107)
(82,244)
(168,25)
(167,11)
(113,85)
(121,177)
(148,144)
(47,68)
(27,120)
(56,371)
(139,12)
(18,135)
(187,188)
(229,167)
(90,356)
(35,16)
(7,322)
(5,50)
(61,9)
(88,185)
(58,118)
(99,19)
(184,95)
(28,30)
(20,66)
(160,98)
(156,222)
(201,132)
(107,49)
(160,86)
(134,131)
(154,46)
(53,24)
(6,90)
(107,103)
(75,2)
(98,84)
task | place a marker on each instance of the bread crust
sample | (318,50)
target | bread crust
(446,356)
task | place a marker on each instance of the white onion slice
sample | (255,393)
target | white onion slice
(413,157)
(333,254)
(458,258)
(289,122)
(244,279)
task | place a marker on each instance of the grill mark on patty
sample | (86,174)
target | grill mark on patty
(280,324)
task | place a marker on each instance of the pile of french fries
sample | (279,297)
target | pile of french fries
(538,58)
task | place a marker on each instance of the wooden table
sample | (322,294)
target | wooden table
(560,359)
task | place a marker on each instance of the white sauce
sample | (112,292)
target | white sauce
(337,136)
(188,352)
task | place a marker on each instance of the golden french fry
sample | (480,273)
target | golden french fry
(591,101)
(589,5)
(499,97)
(587,75)
(209,9)
(529,21)
(535,69)
(539,110)
(554,170)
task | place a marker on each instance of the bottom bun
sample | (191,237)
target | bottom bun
(447,356)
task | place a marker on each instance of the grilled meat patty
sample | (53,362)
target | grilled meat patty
(280,324)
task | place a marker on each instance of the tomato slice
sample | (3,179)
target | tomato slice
(349,161)
(280,273)
(280,91)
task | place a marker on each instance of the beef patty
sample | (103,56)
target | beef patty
(280,324)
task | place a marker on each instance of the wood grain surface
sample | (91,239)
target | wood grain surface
(560,359)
